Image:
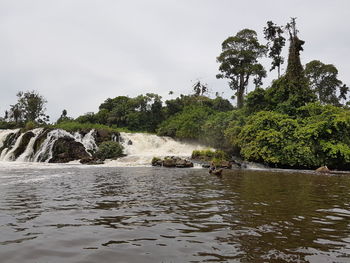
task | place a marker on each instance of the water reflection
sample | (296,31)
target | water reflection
(173,215)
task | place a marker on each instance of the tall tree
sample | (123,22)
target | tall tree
(239,62)
(324,81)
(295,70)
(276,41)
(32,106)
(16,113)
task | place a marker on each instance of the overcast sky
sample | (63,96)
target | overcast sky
(77,53)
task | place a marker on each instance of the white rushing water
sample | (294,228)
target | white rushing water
(44,153)
(142,147)
(27,155)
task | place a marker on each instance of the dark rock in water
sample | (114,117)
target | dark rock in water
(66,149)
(182,163)
(157,161)
(323,169)
(225,164)
(91,161)
(129,142)
(102,135)
(169,162)
(217,172)
(23,144)
(206,165)
(172,161)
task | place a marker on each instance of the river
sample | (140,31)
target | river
(75,213)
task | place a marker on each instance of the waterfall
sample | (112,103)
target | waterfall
(29,151)
(37,146)
(140,148)
(4,134)
(44,152)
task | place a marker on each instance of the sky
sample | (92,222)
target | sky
(77,53)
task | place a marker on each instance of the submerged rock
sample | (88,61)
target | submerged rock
(91,161)
(323,169)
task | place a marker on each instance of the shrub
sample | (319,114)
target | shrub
(109,150)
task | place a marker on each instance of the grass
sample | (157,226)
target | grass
(73,126)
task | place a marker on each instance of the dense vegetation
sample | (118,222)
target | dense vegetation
(301,120)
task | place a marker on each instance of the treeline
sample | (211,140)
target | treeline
(300,121)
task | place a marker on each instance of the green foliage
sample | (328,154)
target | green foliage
(64,117)
(215,126)
(142,113)
(257,100)
(7,125)
(186,124)
(274,34)
(209,155)
(109,150)
(323,79)
(73,126)
(29,107)
(30,125)
(318,135)
(239,61)
(286,96)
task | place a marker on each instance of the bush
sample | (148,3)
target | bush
(318,135)
(109,150)
(209,155)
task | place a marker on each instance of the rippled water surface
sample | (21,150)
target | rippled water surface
(94,214)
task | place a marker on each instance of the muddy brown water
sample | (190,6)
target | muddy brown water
(100,214)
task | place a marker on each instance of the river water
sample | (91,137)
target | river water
(68,213)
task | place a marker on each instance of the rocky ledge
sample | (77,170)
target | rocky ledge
(172,161)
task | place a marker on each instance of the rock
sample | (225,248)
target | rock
(217,172)
(225,164)
(182,163)
(169,162)
(102,135)
(323,169)
(91,161)
(157,161)
(41,138)
(129,142)
(172,161)
(23,144)
(66,149)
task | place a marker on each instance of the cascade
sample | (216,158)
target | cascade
(140,148)
(44,153)
(29,151)
(4,135)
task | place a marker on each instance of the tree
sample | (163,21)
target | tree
(64,117)
(324,81)
(199,88)
(295,71)
(29,107)
(239,62)
(292,89)
(276,42)
(15,113)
